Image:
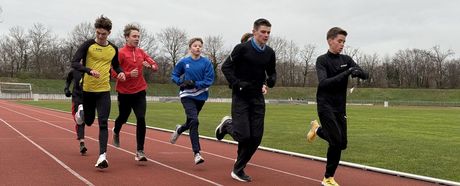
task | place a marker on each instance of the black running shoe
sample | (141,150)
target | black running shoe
(82,148)
(220,131)
(116,139)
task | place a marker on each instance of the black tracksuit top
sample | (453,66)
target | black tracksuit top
(247,64)
(332,71)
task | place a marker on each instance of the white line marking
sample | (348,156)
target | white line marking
(205,152)
(50,155)
(159,163)
(348,164)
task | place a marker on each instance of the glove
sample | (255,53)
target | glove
(187,84)
(351,69)
(67,92)
(356,73)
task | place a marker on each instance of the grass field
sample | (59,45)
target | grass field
(418,140)
(443,97)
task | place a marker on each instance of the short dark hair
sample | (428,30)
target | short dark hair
(333,32)
(261,22)
(193,41)
(103,22)
(129,28)
(246,37)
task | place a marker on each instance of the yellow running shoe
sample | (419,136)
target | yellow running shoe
(311,136)
(329,182)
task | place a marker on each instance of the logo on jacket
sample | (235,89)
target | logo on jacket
(187,66)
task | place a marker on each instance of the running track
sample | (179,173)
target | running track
(39,147)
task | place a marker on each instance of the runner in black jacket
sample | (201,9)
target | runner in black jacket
(250,65)
(333,70)
(77,105)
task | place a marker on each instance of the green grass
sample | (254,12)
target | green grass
(418,140)
(377,95)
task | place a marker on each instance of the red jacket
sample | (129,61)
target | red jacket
(131,58)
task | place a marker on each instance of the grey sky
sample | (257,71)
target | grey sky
(381,27)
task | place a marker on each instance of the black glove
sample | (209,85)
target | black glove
(67,92)
(271,81)
(356,73)
(351,69)
(187,84)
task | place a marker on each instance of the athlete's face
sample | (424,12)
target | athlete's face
(133,38)
(262,34)
(102,34)
(195,48)
(336,45)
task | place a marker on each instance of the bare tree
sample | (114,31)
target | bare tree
(452,73)
(306,54)
(22,45)
(8,59)
(81,33)
(214,50)
(15,47)
(174,43)
(57,62)
(40,38)
(148,42)
(439,58)
(350,51)
(370,64)
(278,44)
(291,62)
(68,46)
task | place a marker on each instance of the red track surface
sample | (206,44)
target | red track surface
(39,147)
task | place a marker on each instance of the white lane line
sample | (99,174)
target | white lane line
(232,159)
(205,152)
(50,155)
(159,163)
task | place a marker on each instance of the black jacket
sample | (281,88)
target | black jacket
(247,69)
(333,71)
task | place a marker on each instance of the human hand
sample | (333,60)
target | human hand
(264,89)
(356,73)
(67,92)
(271,81)
(95,73)
(134,73)
(187,84)
(146,64)
(121,76)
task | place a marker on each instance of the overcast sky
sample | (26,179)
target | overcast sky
(381,27)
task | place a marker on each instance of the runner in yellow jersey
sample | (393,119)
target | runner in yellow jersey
(98,55)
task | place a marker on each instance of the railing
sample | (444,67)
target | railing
(228,100)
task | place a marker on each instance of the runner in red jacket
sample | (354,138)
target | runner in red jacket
(131,92)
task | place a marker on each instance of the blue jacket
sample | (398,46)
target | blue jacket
(200,71)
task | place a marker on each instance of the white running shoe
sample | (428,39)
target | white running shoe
(79,115)
(175,135)
(140,156)
(102,162)
(198,159)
